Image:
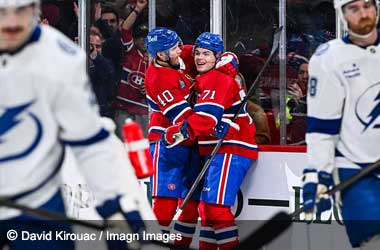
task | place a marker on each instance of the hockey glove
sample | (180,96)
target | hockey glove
(314,186)
(226,129)
(228,64)
(176,134)
(121,205)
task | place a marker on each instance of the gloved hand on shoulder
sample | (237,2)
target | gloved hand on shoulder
(228,64)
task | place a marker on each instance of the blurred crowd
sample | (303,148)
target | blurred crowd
(118,57)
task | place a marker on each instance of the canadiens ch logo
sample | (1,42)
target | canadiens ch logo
(136,79)
(18,122)
(367,108)
(171,186)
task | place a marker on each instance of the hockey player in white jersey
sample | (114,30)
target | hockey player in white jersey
(46,104)
(343,134)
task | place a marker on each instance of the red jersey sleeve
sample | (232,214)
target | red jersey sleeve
(126,39)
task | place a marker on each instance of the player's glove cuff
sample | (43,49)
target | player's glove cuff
(226,129)
(128,209)
(314,186)
(176,134)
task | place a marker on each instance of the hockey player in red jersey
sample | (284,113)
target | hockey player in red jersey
(168,83)
(219,96)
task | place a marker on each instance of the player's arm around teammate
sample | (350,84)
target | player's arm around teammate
(219,97)
(168,85)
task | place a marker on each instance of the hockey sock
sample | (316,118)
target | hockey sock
(164,208)
(187,222)
(223,222)
(207,238)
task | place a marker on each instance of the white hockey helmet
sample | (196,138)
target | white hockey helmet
(338,5)
(17,3)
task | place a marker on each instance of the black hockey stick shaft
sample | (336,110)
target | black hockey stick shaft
(281,221)
(275,45)
(348,182)
(40,213)
(44,214)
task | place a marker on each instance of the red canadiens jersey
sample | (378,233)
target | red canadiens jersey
(167,92)
(131,89)
(219,97)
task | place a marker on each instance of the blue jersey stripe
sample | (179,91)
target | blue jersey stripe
(213,110)
(153,105)
(232,110)
(323,126)
(101,135)
(172,113)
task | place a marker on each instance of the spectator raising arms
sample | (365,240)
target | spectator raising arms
(130,99)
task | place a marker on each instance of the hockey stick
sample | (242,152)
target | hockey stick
(44,214)
(276,40)
(272,228)
(41,213)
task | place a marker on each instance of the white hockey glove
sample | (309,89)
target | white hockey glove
(314,186)
(122,205)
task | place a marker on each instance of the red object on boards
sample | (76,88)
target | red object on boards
(138,149)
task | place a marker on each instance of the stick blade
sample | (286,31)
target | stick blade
(267,232)
(276,39)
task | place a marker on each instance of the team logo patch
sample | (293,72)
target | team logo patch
(182,83)
(353,71)
(18,122)
(68,48)
(367,108)
(171,186)
(322,49)
(136,79)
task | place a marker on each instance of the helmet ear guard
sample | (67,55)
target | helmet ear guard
(339,5)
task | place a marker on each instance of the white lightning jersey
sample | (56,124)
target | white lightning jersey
(343,106)
(46,102)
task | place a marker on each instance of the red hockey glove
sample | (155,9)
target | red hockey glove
(176,134)
(226,129)
(228,64)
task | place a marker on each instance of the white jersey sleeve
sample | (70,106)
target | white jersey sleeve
(325,102)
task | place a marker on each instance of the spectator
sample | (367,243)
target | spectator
(130,100)
(102,76)
(51,13)
(112,46)
(297,87)
(257,113)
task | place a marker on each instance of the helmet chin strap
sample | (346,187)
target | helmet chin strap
(361,36)
(168,62)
